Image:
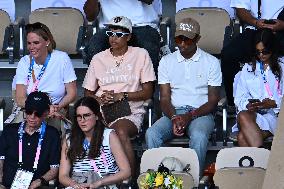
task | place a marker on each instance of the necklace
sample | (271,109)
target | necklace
(117,61)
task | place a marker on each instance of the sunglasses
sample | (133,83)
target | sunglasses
(117,34)
(36,26)
(179,39)
(86,117)
(30,112)
(264,52)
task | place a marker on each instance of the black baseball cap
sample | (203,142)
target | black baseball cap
(37,102)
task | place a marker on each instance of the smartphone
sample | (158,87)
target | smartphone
(253,100)
(269,22)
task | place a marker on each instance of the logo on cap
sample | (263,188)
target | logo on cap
(117,19)
(37,98)
(186,27)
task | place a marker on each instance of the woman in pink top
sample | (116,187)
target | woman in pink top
(121,72)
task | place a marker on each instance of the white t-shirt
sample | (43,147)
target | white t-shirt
(78,4)
(139,13)
(189,78)
(58,72)
(269,9)
(9,7)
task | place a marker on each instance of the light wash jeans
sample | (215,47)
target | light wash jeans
(198,131)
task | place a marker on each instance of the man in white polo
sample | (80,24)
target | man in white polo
(190,81)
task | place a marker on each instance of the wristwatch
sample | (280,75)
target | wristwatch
(43,182)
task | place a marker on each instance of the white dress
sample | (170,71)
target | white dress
(251,86)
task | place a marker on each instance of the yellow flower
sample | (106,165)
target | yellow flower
(159,179)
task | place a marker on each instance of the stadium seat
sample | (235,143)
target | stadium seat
(153,157)
(215,26)
(66,26)
(6,36)
(241,167)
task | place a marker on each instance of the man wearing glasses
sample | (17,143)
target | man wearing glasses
(190,81)
(30,151)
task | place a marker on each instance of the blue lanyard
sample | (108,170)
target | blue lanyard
(21,133)
(41,71)
(86,145)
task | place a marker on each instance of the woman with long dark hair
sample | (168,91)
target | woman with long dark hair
(91,150)
(259,92)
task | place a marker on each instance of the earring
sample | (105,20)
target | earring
(47,45)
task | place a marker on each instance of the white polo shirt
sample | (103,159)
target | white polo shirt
(189,78)
(269,9)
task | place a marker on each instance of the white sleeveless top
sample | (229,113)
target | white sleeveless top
(84,165)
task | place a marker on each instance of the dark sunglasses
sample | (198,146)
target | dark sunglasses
(36,26)
(179,39)
(264,52)
(117,34)
(30,112)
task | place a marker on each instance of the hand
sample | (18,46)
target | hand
(96,184)
(278,26)
(36,183)
(81,186)
(180,122)
(107,97)
(53,108)
(260,24)
(264,104)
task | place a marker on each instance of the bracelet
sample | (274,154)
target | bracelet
(173,117)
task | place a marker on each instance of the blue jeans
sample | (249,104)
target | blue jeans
(198,131)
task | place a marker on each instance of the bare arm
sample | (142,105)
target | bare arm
(48,176)
(148,2)
(1,169)
(65,167)
(213,99)
(1,173)
(121,160)
(165,100)
(21,95)
(91,9)
(71,92)
(144,94)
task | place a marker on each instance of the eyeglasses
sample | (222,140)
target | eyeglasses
(36,26)
(86,117)
(117,34)
(264,52)
(179,39)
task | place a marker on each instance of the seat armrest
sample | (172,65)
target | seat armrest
(8,44)
(204,182)
(2,103)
